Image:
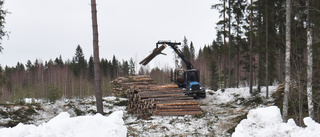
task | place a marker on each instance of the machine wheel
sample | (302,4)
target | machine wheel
(203,95)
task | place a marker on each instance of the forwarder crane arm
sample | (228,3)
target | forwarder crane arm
(158,50)
(174,46)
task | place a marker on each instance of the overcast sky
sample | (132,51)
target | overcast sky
(45,29)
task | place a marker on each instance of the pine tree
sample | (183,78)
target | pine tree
(239,8)
(267,59)
(221,32)
(97,76)
(251,46)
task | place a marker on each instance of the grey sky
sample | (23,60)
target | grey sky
(45,29)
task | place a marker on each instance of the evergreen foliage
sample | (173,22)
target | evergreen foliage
(91,68)
(231,45)
(78,62)
(54,93)
(2,22)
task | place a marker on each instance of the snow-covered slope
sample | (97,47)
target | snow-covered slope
(267,122)
(65,126)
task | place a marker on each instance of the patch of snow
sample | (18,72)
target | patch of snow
(64,126)
(230,94)
(267,122)
(32,100)
(110,98)
(113,98)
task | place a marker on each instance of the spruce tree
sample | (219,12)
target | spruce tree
(91,68)
(214,77)
(2,34)
(186,49)
(2,78)
(114,67)
(132,70)
(79,62)
(2,22)
(192,52)
(104,67)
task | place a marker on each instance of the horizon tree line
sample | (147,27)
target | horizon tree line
(71,78)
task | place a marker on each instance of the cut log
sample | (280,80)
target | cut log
(160,95)
(174,98)
(176,104)
(176,110)
(181,113)
(179,107)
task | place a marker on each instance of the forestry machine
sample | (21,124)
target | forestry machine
(187,79)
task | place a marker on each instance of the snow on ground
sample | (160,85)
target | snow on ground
(267,122)
(223,110)
(221,113)
(230,94)
(64,126)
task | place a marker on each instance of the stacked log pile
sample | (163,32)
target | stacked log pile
(123,83)
(146,98)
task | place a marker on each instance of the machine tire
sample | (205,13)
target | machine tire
(203,95)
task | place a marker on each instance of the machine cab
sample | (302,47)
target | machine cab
(192,79)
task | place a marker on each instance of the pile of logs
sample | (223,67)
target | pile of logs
(146,98)
(124,83)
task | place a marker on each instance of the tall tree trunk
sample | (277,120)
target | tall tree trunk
(238,57)
(97,76)
(224,44)
(310,62)
(250,63)
(287,61)
(229,49)
(279,66)
(238,67)
(267,59)
(300,100)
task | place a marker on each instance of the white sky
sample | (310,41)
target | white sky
(45,29)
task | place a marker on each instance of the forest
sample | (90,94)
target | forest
(247,48)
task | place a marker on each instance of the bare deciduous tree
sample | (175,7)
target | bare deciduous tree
(310,62)
(287,61)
